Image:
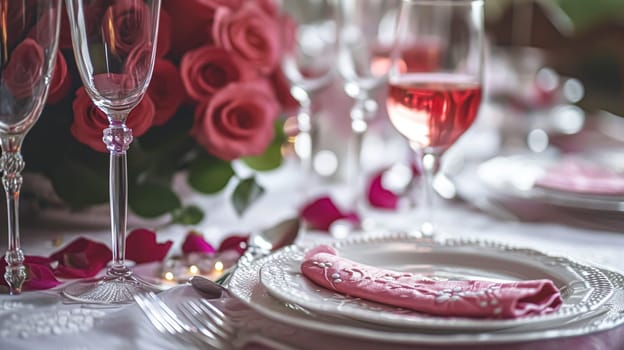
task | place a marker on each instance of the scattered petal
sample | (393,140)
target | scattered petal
(378,196)
(81,258)
(234,242)
(40,274)
(142,247)
(321,213)
(195,243)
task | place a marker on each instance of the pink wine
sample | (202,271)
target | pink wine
(433,110)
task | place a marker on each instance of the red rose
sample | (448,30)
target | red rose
(138,68)
(61,81)
(25,69)
(206,70)
(125,25)
(237,121)
(166,90)
(17,16)
(250,33)
(65,40)
(190,18)
(281,86)
(89,121)
(164,34)
(43,31)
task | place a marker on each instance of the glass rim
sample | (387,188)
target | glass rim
(443,2)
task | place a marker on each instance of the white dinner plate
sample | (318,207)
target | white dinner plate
(517,176)
(245,285)
(583,288)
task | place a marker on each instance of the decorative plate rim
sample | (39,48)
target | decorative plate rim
(277,282)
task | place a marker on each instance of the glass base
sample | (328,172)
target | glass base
(108,290)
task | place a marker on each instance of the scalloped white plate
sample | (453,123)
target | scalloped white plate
(583,288)
(245,285)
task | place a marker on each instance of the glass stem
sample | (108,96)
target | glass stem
(430,165)
(304,143)
(12,165)
(117,138)
(362,111)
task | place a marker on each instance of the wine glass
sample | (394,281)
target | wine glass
(29,47)
(114,45)
(366,38)
(309,61)
(435,81)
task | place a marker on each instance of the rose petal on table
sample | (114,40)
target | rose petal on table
(322,212)
(81,258)
(380,197)
(40,274)
(234,242)
(195,243)
(142,247)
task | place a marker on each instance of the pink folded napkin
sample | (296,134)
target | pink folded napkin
(482,299)
(574,175)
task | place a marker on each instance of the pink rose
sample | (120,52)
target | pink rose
(24,69)
(126,25)
(237,121)
(281,86)
(191,20)
(166,90)
(250,33)
(89,121)
(61,81)
(206,70)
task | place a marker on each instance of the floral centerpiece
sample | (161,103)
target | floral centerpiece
(216,96)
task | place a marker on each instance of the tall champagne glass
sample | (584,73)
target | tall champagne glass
(114,44)
(28,49)
(309,62)
(366,38)
(435,81)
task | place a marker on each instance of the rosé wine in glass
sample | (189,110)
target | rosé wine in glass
(435,81)
(433,110)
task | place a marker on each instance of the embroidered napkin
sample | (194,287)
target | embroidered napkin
(481,299)
(574,175)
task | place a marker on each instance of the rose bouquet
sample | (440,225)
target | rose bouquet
(216,96)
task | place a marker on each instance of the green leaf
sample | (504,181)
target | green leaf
(80,185)
(152,200)
(272,156)
(269,160)
(190,215)
(245,194)
(209,175)
(584,14)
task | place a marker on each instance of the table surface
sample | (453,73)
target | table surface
(41,320)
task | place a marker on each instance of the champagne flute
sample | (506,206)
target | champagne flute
(28,53)
(309,61)
(435,81)
(114,45)
(366,38)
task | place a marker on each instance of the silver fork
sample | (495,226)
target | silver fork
(203,314)
(167,322)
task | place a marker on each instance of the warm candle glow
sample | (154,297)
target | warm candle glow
(218,266)
(169,276)
(193,269)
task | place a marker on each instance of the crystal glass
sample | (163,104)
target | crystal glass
(114,45)
(29,38)
(435,81)
(366,38)
(309,61)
